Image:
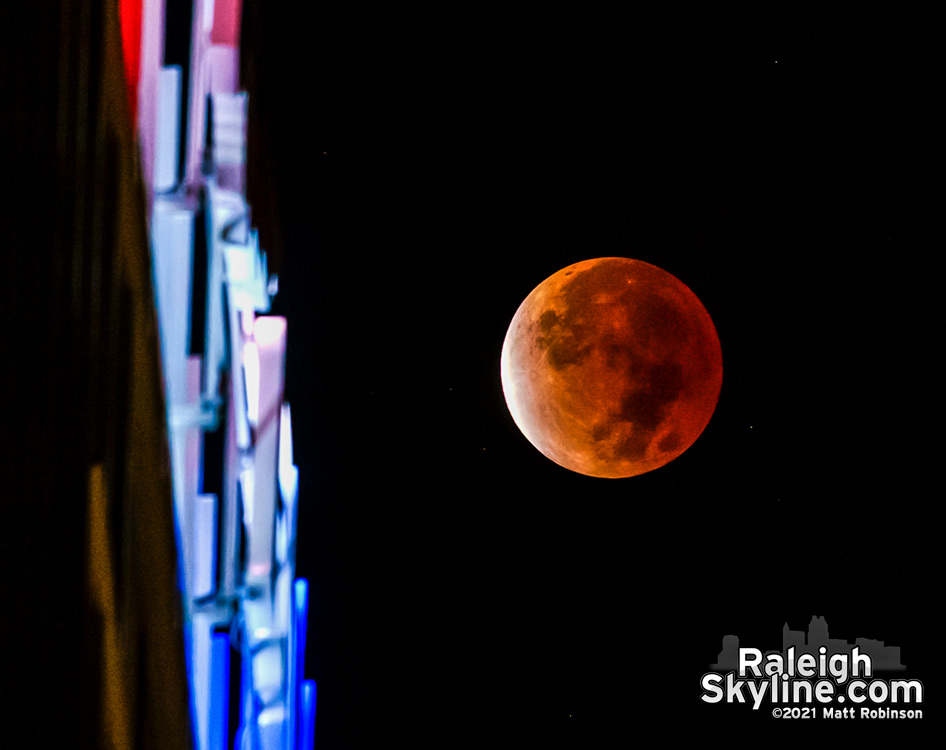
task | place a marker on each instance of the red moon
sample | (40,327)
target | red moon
(611,367)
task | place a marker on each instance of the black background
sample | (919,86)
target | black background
(433,168)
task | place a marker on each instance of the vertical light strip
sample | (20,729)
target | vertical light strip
(300,615)
(251,380)
(167,135)
(205,545)
(220,691)
(307,716)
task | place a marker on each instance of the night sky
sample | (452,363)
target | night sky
(431,170)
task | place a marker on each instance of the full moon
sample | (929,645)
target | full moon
(611,367)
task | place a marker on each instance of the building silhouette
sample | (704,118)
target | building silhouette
(883,657)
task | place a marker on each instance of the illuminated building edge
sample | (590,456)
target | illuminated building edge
(224,365)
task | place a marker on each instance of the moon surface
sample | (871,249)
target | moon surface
(611,367)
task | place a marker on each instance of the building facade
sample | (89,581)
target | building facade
(235,485)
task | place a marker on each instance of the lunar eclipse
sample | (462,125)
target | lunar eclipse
(611,367)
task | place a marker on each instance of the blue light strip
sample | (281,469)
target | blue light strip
(219,691)
(300,614)
(307,716)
